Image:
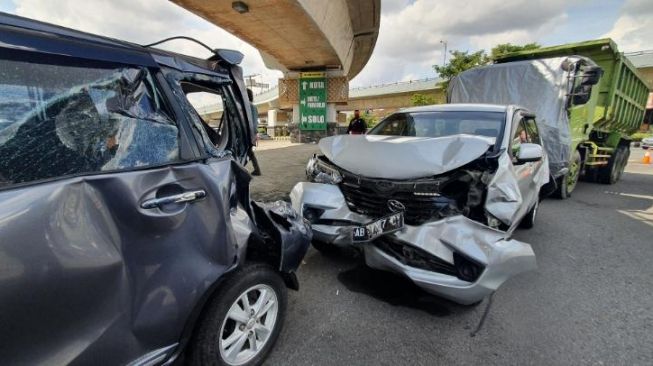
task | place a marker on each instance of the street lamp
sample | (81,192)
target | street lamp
(444,57)
(240,7)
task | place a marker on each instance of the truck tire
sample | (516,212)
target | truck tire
(616,165)
(262,319)
(568,182)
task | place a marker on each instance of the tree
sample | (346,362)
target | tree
(459,62)
(504,48)
(463,60)
(421,99)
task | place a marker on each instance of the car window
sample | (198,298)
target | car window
(215,112)
(531,131)
(59,119)
(519,137)
(438,124)
(209,106)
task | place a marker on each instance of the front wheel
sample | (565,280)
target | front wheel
(568,182)
(243,320)
(529,220)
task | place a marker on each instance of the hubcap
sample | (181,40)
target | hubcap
(248,325)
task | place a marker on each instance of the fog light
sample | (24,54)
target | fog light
(313,214)
(467,270)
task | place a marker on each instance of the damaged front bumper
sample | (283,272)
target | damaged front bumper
(456,258)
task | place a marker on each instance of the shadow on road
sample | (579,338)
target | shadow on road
(395,290)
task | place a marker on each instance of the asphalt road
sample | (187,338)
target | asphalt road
(590,301)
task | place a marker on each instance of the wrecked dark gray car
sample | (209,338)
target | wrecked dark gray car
(432,193)
(127,235)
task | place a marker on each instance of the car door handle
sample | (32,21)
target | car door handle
(189,196)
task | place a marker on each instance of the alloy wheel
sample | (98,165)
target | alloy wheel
(248,325)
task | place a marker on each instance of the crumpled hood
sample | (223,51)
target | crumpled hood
(399,157)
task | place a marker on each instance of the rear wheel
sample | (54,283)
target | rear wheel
(243,320)
(616,165)
(568,182)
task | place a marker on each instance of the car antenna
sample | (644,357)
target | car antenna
(182,37)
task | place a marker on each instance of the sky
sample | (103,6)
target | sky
(410,36)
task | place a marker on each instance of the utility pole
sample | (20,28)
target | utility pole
(444,57)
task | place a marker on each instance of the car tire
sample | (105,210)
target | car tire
(529,220)
(568,182)
(219,330)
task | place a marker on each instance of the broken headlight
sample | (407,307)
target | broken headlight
(317,171)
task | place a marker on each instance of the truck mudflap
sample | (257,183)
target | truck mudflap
(455,257)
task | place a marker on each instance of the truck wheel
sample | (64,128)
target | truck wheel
(616,165)
(568,182)
(243,319)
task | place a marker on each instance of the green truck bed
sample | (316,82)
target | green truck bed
(622,91)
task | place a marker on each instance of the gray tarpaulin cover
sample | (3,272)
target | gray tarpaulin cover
(539,85)
(400,157)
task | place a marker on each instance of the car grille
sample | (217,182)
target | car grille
(370,197)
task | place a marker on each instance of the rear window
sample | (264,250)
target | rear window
(439,124)
(60,119)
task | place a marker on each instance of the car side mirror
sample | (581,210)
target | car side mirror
(529,152)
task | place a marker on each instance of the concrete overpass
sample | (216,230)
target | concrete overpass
(300,35)
(319,45)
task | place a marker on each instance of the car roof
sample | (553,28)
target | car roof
(459,107)
(54,39)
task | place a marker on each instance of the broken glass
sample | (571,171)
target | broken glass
(58,120)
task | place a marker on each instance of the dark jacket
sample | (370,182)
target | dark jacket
(357,126)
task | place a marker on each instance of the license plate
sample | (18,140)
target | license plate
(376,228)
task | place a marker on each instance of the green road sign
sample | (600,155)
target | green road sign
(312,101)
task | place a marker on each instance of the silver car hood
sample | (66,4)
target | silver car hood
(399,157)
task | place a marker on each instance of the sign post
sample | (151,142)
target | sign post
(312,101)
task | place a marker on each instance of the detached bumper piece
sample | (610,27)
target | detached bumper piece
(455,258)
(279,223)
(412,256)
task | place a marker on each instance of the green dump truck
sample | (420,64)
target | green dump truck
(588,99)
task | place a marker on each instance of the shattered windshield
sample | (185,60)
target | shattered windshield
(439,124)
(60,119)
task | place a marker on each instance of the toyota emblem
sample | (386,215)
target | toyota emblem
(396,206)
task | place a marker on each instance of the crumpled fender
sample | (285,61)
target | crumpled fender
(504,199)
(280,223)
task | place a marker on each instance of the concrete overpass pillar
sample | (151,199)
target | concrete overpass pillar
(313,97)
(272,121)
(332,114)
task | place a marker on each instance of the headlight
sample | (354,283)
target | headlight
(318,171)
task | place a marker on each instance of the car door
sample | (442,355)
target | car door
(111,226)
(525,131)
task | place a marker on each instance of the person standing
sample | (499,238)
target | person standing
(250,153)
(357,125)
